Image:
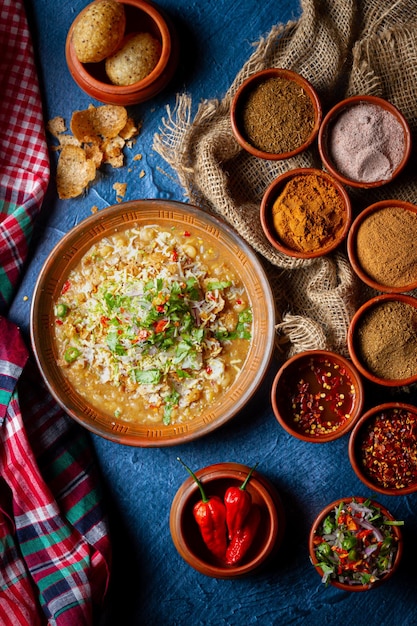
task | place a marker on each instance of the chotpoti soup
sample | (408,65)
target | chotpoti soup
(152,325)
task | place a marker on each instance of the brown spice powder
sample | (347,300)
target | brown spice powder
(386,246)
(387,340)
(309,213)
(278,116)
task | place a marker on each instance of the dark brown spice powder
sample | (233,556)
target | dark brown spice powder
(387,340)
(278,116)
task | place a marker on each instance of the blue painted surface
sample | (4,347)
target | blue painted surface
(152,584)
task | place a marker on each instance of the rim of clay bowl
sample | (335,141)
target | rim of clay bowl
(247,86)
(332,115)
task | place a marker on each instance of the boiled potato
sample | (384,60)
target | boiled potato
(136,58)
(99,31)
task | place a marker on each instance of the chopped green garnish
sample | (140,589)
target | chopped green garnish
(170,402)
(218,284)
(61,310)
(148,377)
(71,354)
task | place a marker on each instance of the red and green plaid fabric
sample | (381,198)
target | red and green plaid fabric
(54,543)
(24,163)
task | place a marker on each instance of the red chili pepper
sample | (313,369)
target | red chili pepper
(238,502)
(210,515)
(160,325)
(243,538)
(66,286)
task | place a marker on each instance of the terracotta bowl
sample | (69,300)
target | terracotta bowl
(306,378)
(382,270)
(223,241)
(336,234)
(316,532)
(241,97)
(215,480)
(325,134)
(394,426)
(141,16)
(383,367)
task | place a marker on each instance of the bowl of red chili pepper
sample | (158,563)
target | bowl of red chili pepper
(317,396)
(226,520)
(355,544)
(383,448)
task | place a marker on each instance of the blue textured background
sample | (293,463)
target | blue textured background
(152,584)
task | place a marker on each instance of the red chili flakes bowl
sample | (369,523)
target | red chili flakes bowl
(216,479)
(361,521)
(383,449)
(317,396)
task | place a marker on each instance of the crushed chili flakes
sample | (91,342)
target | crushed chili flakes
(388,448)
(323,399)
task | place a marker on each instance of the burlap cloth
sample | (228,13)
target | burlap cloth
(343,47)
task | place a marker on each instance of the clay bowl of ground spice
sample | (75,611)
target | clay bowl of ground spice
(263,537)
(150,55)
(382,339)
(364,141)
(305,213)
(317,396)
(383,448)
(382,246)
(275,114)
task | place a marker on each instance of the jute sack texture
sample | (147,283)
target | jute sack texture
(343,47)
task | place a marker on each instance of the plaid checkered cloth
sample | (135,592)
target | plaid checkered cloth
(54,541)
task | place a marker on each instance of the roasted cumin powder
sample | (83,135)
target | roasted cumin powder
(309,213)
(278,116)
(387,340)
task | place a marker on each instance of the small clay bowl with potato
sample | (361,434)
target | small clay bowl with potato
(140,18)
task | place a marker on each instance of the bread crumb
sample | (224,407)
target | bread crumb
(120,189)
(99,135)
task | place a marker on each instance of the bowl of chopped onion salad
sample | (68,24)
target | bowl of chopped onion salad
(152,323)
(355,544)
